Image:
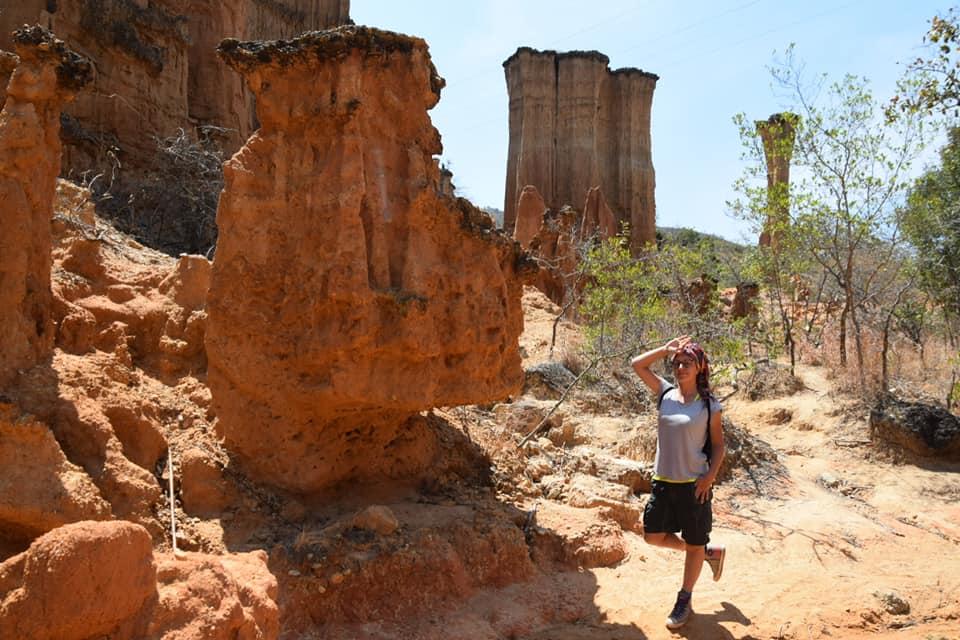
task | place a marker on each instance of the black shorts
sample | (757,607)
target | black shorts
(673,507)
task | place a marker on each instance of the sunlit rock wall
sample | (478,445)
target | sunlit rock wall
(348,293)
(157,70)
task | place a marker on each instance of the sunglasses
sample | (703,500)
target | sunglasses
(684,363)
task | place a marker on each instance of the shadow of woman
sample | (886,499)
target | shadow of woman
(708,625)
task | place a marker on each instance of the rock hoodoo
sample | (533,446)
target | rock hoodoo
(157,69)
(46,77)
(555,250)
(574,125)
(530,215)
(557,240)
(348,294)
(777,133)
(599,222)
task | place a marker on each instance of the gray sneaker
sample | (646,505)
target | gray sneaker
(681,611)
(716,554)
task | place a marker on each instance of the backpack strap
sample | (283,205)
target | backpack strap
(665,391)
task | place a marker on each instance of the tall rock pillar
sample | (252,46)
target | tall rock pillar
(531,157)
(348,293)
(778,134)
(575,125)
(629,182)
(46,77)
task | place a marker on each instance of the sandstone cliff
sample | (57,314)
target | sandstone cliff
(348,293)
(156,67)
(574,125)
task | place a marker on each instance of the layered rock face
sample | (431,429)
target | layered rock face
(348,294)
(777,134)
(156,66)
(574,125)
(46,78)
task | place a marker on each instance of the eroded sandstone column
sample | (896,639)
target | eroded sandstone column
(530,211)
(574,125)
(46,77)
(778,133)
(598,222)
(531,88)
(347,293)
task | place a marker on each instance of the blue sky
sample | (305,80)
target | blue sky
(712,59)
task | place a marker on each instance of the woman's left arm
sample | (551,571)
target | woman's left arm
(717,451)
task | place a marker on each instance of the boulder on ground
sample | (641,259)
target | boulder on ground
(923,429)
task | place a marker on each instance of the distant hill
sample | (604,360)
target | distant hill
(724,252)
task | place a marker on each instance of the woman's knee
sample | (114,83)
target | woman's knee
(656,539)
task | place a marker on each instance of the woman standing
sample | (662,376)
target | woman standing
(689,454)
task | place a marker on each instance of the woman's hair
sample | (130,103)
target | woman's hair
(696,352)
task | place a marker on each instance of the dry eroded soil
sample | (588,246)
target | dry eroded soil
(824,552)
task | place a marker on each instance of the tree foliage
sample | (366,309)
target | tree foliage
(931,222)
(850,169)
(931,83)
(631,303)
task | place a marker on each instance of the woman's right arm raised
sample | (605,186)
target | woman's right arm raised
(641,364)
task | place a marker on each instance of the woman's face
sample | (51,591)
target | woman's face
(685,367)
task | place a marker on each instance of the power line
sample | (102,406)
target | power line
(600,24)
(691,26)
(701,55)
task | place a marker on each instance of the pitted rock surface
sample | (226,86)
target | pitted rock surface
(348,294)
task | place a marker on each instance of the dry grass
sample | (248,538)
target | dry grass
(925,373)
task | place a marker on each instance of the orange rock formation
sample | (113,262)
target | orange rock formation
(530,212)
(599,222)
(574,124)
(555,250)
(156,66)
(347,293)
(46,78)
(777,133)
(557,240)
(103,579)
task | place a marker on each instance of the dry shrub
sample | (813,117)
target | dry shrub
(919,372)
(574,360)
(173,206)
(750,455)
(770,380)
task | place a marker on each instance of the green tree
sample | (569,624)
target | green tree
(850,171)
(930,83)
(629,303)
(931,223)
